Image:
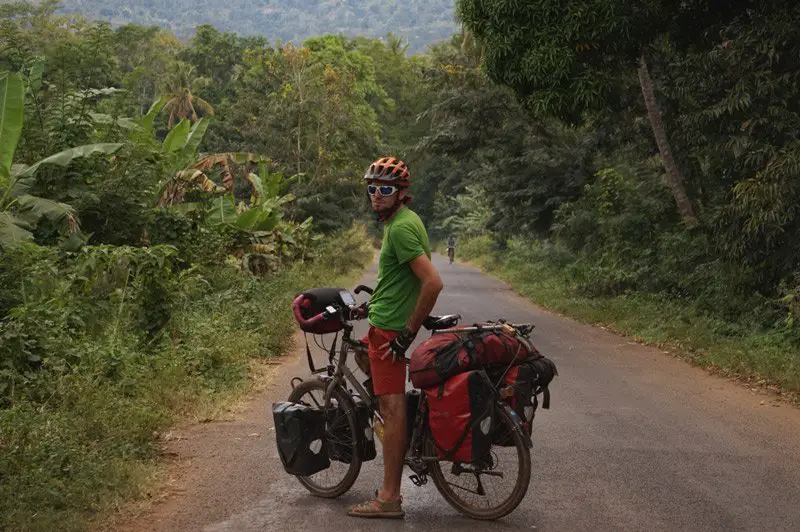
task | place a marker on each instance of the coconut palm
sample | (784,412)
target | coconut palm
(182,103)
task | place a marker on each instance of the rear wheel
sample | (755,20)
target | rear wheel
(491,490)
(341,431)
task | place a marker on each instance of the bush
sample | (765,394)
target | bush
(111,346)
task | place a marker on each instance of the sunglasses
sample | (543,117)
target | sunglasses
(384,190)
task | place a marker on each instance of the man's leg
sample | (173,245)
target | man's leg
(389,383)
(393,410)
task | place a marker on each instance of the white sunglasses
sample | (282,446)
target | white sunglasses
(384,190)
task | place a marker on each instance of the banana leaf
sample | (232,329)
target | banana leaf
(11,113)
(258,187)
(176,138)
(64,158)
(33,208)
(195,137)
(146,121)
(13,231)
(223,211)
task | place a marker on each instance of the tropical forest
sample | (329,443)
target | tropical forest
(169,183)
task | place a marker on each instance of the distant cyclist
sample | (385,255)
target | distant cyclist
(451,248)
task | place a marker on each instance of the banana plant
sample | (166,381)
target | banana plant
(20,211)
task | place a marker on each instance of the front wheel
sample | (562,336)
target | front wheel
(491,490)
(341,432)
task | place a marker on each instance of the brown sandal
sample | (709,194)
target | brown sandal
(377,508)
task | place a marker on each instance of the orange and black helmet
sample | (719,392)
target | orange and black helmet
(389,170)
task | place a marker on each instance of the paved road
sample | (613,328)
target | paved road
(634,440)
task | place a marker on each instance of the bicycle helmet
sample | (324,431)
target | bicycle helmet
(389,170)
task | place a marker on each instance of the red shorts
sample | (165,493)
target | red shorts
(388,376)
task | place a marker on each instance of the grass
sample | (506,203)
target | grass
(89,444)
(766,357)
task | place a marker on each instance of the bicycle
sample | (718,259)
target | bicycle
(451,254)
(422,458)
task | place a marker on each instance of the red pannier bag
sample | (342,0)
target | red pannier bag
(460,417)
(502,348)
(442,356)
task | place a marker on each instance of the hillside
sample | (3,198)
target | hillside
(420,21)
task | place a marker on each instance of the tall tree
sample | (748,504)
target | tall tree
(565,58)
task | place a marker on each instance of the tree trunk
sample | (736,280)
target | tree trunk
(674,177)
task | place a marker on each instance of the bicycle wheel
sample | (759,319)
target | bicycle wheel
(481,491)
(341,432)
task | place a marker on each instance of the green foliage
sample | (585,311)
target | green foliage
(103,349)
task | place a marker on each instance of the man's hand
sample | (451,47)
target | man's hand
(398,347)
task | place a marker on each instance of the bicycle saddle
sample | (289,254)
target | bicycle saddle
(437,323)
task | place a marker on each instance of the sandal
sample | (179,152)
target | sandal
(377,508)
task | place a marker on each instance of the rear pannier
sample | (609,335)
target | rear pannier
(444,355)
(460,414)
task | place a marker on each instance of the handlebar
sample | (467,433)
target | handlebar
(363,288)
(306,323)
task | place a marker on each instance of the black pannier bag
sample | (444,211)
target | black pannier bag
(300,435)
(516,388)
(520,386)
(340,439)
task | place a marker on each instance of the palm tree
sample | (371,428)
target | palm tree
(182,103)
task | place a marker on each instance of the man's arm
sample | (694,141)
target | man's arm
(429,291)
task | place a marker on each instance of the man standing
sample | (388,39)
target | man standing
(406,292)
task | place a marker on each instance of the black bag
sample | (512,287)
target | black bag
(300,435)
(523,383)
(517,387)
(340,441)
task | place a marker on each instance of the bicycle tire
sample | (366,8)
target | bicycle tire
(343,399)
(517,494)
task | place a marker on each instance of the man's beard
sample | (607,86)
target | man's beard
(386,212)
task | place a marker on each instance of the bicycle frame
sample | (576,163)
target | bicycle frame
(338,374)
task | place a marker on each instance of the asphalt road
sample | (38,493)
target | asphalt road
(634,440)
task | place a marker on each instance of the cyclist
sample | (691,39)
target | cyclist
(406,292)
(451,248)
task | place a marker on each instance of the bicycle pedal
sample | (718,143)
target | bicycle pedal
(418,480)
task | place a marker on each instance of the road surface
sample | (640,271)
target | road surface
(634,440)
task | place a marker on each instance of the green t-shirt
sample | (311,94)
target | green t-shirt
(395,297)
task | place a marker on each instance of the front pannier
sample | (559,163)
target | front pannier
(300,435)
(460,414)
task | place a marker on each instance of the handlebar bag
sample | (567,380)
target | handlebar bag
(460,417)
(300,436)
(314,303)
